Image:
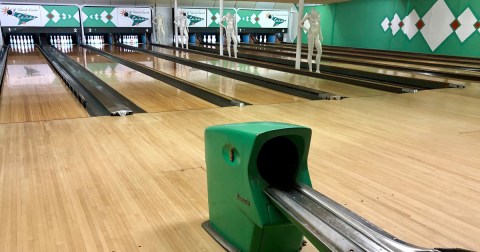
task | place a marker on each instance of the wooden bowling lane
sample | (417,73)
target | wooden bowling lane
(339,88)
(387,62)
(407,163)
(463,62)
(150,94)
(379,70)
(230,87)
(32,91)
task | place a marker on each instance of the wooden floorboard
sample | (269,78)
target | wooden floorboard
(408,163)
(32,91)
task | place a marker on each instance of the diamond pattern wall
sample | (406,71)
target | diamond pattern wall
(409,28)
(436,25)
(467,25)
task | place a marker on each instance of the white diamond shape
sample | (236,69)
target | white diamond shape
(96,16)
(252,18)
(76,16)
(56,16)
(467,20)
(409,27)
(217,20)
(385,25)
(104,17)
(394,24)
(437,24)
(64,16)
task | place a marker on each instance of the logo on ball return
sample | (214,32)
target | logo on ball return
(243,200)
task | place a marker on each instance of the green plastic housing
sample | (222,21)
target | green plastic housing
(242,160)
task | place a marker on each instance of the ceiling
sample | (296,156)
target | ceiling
(264,4)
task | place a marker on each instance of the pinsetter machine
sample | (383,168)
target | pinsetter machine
(260,195)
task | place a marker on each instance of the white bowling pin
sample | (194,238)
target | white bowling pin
(209,39)
(204,38)
(265,39)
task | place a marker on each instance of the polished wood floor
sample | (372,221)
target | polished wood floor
(408,163)
(325,85)
(32,91)
(150,94)
(236,89)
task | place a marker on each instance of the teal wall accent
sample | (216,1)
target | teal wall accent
(357,24)
(69,11)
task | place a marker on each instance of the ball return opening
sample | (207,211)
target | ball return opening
(260,196)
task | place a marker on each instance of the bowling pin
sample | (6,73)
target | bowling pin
(204,38)
(214,39)
(209,39)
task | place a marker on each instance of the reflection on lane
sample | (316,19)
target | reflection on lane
(233,88)
(366,68)
(150,94)
(33,92)
(296,79)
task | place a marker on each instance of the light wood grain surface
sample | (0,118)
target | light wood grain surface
(150,94)
(408,163)
(227,86)
(33,92)
(335,87)
(371,69)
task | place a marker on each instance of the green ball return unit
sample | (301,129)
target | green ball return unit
(260,196)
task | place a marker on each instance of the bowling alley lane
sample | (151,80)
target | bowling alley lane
(227,86)
(380,61)
(150,94)
(32,91)
(385,71)
(413,57)
(335,87)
